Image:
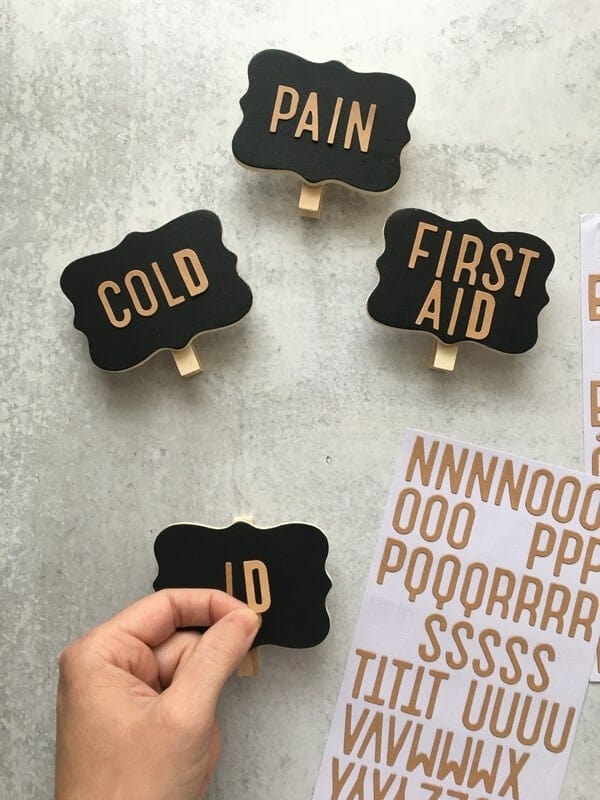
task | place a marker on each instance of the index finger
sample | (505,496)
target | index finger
(156,617)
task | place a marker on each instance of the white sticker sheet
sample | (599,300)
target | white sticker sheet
(590,335)
(476,635)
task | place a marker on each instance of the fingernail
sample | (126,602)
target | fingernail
(248,619)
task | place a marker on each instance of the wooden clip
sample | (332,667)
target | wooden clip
(443,356)
(187,361)
(250,665)
(248,519)
(310,201)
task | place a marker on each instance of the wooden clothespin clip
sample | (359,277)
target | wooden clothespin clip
(442,357)
(311,198)
(187,360)
(250,665)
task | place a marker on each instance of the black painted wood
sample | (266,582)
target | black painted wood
(294,555)
(225,300)
(318,161)
(488,297)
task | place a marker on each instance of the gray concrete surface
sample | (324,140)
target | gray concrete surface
(118,116)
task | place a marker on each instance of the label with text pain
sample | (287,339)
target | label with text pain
(324,122)
(155,291)
(461,282)
(279,572)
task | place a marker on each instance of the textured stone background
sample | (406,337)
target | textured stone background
(118,116)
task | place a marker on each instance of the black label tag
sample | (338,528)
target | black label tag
(324,121)
(461,281)
(279,572)
(156,291)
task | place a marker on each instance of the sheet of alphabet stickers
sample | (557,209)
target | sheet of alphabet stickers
(590,330)
(476,635)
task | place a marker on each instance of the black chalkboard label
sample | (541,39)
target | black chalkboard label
(279,572)
(156,291)
(324,122)
(461,282)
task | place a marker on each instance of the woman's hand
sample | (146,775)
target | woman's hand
(137,699)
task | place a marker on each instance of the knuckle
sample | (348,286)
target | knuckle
(67,661)
(179,717)
(76,657)
(170,599)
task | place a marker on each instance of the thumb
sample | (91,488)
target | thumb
(219,652)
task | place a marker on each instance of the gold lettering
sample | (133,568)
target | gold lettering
(351,734)
(484,479)
(338,781)
(194,287)
(455,310)
(395,745)
(479,326)
(334,120)
(363,131)
(463,264)
(595,403)
(593,299)
(548,477)
(432,307)
(478,774)
(560,746)
(444,252)
(414,509)
(374,697)
(416,249)
(494,286)
(454,470)
(512,781)
(589,565)
(365,656)
(114,287)
(534,736)
(528,256)
(582,618)
(171,301)
(278,113)
(448,767)
(563,594)
(425,760)
(426,464)
(310,112)
(499,597)
(143,278)
(259,568)
(387,565)
(531,605)
(539,548)
(515,485)
(566,555)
